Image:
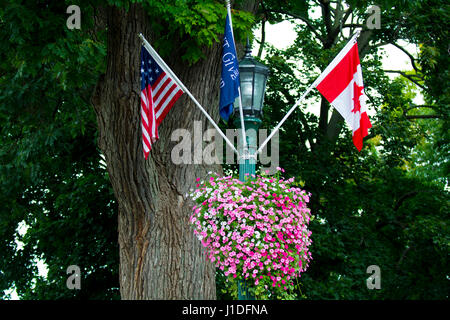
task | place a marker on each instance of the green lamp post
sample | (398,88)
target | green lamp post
(253,76)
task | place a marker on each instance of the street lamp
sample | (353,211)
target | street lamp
(253,76)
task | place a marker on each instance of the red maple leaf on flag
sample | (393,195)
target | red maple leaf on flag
(357,93)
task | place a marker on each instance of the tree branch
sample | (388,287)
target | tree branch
(403,198)
(422,106)
(347,14)
(402,256)
(363,42)
(407,76)
(381,44)
(338,13)
(413,60)
(302,18)
(370,136)
(263,38)
(353,25)
(423,116)
(325,4)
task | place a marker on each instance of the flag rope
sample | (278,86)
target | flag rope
(183,87)
(312,86)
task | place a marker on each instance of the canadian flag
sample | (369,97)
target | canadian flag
(341,84)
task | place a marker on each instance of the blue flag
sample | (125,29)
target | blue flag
(229,84)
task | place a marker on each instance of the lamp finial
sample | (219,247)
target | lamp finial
(248,49)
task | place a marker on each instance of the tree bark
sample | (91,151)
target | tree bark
(159,256)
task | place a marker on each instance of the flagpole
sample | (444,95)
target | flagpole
(284,118)
(339,56)
(312,86)
(241,112)
(183,87)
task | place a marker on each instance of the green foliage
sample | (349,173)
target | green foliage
(58,205)
(192,25)
(387,205)
(229,291)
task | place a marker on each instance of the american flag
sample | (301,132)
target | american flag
(158,94)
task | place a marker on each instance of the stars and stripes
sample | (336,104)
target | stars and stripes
(158,94)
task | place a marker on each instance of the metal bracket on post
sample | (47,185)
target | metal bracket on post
(247,162)
(247,156)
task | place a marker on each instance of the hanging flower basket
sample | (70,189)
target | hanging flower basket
(254,231)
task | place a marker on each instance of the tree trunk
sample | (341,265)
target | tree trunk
(159,256)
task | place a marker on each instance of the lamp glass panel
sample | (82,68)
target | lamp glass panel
(246,90)
(260,80)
